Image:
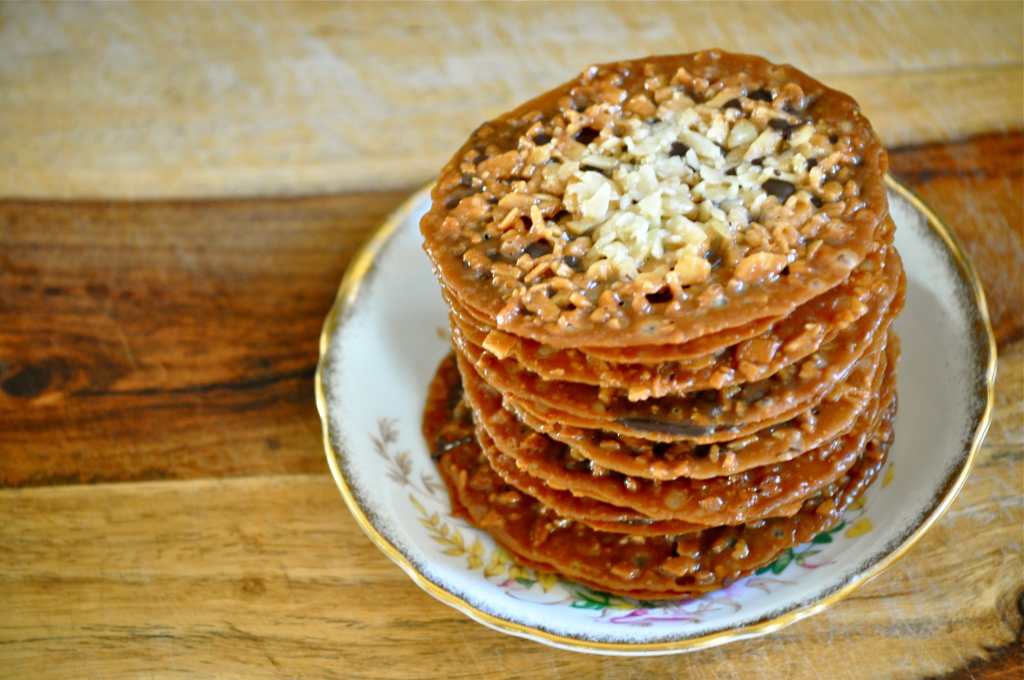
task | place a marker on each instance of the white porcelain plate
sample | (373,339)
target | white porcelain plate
(387,332)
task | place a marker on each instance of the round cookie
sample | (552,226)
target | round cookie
(770,189)
(831,310)
(831,417)
(847,319)
(647,567)
(760,492)
(703,417)
(596,514)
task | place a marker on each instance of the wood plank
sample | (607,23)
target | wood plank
(908,109)
(271,578)
(978,189)
(156,100)
(153,340)
(179,339)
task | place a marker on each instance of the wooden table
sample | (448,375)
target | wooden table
(165,505)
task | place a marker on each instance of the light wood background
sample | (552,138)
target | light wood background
(237,99)
(165,506)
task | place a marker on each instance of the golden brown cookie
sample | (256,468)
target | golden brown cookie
(658,201)
(649,567)
(671,286)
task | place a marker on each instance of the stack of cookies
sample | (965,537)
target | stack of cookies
(672,285)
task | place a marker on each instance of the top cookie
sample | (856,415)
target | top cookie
(657,201)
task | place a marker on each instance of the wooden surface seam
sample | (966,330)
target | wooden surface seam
(152,100)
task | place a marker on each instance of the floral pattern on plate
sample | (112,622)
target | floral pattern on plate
(455,538)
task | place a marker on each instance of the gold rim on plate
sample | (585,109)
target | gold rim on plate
(348,291)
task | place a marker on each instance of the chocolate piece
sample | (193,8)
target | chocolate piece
(780,189)
(587,135)
(678,149)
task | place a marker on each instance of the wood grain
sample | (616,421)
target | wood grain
(160,340)
(977,187)
(159,100)
(169,345)
(269,577)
